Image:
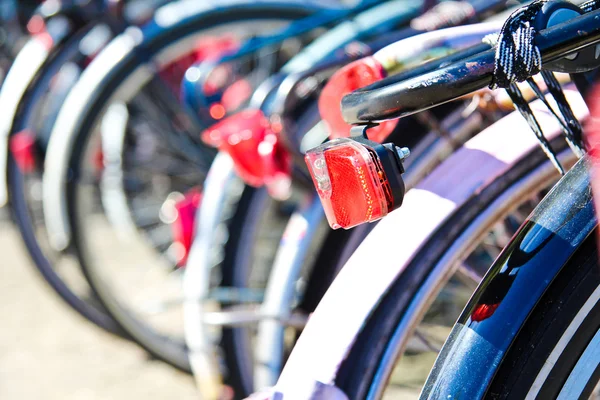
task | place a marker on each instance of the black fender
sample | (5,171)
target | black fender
(511,289)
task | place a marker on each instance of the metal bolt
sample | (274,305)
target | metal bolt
(403,152)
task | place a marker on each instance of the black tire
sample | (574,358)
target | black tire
(235,269)
(558,310)
(358,372)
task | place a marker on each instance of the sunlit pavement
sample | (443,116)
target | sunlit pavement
(49,352)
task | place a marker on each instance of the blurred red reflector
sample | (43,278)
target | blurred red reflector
(36,24)
(211,48)
(350,182)
(22,146)
(353,76)
(184,225)
(259,158)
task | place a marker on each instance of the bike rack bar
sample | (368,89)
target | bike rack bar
(439,86)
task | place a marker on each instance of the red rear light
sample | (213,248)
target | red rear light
(184,224)
(259,158)
(22,146)
(353,76)
(357,180)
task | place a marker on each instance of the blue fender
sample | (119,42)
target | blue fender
(512,288)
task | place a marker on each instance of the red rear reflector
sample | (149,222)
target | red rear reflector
(353,76)
(36,24)
(351,183)
(259,158)
(184,225)
(22,146)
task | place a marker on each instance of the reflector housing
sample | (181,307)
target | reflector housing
(355,75)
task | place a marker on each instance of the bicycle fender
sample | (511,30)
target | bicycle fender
(511,289)
(220,183)
(26,65)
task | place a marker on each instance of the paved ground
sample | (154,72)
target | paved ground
(48,352)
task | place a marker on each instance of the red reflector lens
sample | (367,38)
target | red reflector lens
(184,225)
(36,24)
(22,146)
(350,182)
(353,76)
(258,156)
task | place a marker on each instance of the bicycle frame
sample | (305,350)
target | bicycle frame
(337,321)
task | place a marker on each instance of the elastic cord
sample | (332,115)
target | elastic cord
(518,59)
(517,56)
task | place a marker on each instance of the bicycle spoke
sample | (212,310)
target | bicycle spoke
(468,275)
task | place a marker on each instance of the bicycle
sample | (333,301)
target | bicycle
(342,364)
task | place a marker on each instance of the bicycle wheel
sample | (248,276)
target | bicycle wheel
(44,72)
(497,217)
(152,319)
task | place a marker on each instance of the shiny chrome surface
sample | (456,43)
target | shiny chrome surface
(511,289)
